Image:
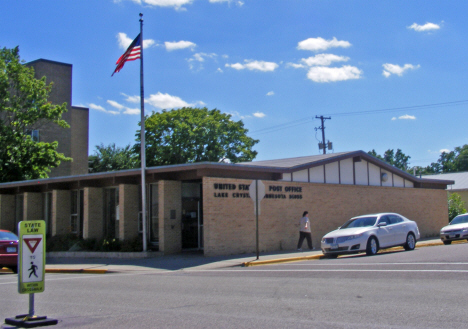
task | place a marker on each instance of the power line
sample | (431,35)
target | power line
(310,119)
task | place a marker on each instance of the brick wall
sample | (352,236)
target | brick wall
(229,223)
(79,127)
(170,230)
(32,206)
(7,212)
(61,203)
(128,211)
(93,213)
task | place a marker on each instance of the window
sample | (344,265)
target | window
(394,219)
(384,219)
(74,212)
(34,134)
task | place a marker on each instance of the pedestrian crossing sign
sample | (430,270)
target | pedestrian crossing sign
(31,256)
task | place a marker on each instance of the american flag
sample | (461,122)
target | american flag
(132,53)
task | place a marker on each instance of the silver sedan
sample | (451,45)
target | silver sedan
(456,230)
(369,233)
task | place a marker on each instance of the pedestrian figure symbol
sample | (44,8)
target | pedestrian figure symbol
(32,269)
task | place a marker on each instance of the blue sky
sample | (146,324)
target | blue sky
(274,64)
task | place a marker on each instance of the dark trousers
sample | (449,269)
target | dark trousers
(302,236)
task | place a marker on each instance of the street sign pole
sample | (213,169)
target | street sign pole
(257,192)
(256,215)
(31,271)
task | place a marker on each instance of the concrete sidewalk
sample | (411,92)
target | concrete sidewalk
(184,261)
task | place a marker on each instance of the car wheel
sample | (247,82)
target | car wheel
(372,246)
(446,242)
(332,256)
(410,242)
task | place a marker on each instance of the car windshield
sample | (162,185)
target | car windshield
(360,222)
(459,219)
(8,236)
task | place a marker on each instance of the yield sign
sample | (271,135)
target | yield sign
(32,243)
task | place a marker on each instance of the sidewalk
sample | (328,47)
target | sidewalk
(183,261)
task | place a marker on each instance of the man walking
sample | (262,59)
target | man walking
(304,232)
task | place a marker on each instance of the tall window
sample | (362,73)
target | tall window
(34,134)
(48,211)
(74,225)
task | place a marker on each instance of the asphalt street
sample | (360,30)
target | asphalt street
(424,288)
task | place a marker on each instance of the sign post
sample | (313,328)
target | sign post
(257,193)
(31,271)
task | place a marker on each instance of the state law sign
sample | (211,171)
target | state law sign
(31,260)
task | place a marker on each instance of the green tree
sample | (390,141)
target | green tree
(24,107)
(190,135)
(456,206)
(453,161)
(111,158)
(398,159)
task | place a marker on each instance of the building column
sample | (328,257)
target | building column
(61,211)
(128,211)
(170,216)
(32,206)
(7,212)
(93,213)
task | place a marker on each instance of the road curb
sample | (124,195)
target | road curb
(280,260)
(85,271)
(313,257)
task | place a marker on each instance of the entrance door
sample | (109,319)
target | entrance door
(190,223)
(192,216)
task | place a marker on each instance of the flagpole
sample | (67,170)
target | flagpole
(143,149)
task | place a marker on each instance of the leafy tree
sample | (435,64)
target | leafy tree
(111,158)
(456,206)
(190,135)
(454,161)
(24,106)
(398,159)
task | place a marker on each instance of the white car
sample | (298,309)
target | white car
(370,233)
(456,230)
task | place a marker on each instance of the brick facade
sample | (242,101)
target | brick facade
(61,204)
(33,206)
(170,220)
(73,141)
(128,211)
(7,212)
(93,213)
(229,222)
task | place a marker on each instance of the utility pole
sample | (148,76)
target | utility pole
(322,127)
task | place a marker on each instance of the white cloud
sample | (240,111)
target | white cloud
(254,65)
(444,151)
(238,3)
(259,115)
(270,93)
(170,46)
(97,108)
(166,101)
(296,66)
(319,44)
(177,4)
(200,58)
(124,41)
(131,99)
(324,60)
(332,74)
(405,117)
(123,109)
(424,28)
(390,69)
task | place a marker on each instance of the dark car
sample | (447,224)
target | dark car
(9,250)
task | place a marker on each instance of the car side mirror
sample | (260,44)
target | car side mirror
(382,224)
